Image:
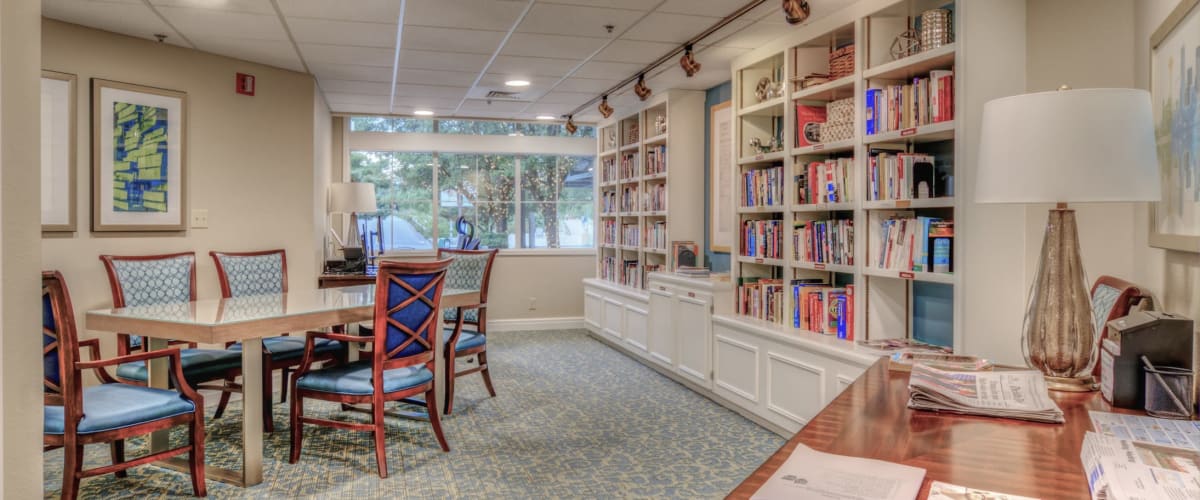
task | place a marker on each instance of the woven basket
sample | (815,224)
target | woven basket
(841,62)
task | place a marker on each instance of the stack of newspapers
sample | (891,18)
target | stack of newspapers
(1009,394)
(1125,469)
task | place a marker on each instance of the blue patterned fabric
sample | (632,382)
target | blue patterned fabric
(282,348)
(199,365)
(469,315)
(466,340)
(466,272)
(1103,300)
(114,406)
(355,379)
(150,282)
(50,359)
(254,274)
(412,316)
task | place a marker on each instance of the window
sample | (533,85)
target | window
(385,124)
(464,127)
(511,200)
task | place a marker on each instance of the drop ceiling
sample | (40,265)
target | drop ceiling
(396,56)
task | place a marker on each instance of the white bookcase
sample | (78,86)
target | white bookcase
(652,174)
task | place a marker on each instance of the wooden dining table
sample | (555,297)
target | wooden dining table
(248,320)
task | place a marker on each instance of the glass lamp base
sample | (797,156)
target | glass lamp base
(1084,383)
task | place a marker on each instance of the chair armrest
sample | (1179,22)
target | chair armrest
(341,337)
(93,346)
(141,356)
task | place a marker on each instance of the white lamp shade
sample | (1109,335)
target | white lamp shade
(1087,145)
(352,197)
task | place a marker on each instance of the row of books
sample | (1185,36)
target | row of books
(824,241)
(763,187)
(902,176)
(826,181)
(631,274)
(911,243)
(608,202)
(762,239)
(608,269)
(629,197)
(820,308)
(608,169)
(920,102)
(656,160)
(629,166)
(656,197)
(761,298)
(609,232)
(647,269)
(656,235)
(629,234)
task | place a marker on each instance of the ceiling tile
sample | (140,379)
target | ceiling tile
(342,32)
(428,102)
(472,106)
(606,70)
(354,87)
(427,77)
(674,28)
(450,40)
(757,34)
(358,108)
(430,90)
(351,72)
(516,66)
(276,53)
(467,14)
(642,5)
(248,6)
(220,23)
(345,54)
(559,97)
(377,100)
(575,84)
(574,20)
(711,8)
(450,61)
(376,11)
(526,94)
(563,47)
(133,19)
(634,52)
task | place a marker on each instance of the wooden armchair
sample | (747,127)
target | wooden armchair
(400,364)
(112,411)
(257,273)
(471,270)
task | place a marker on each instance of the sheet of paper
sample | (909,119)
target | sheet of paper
(946,491)
(808,473)
(1166,432)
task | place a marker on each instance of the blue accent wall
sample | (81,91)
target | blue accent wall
(718,262)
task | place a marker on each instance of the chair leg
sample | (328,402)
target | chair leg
(380,445)
(196,457)
(432,407)
(487,375)
(449,380)
(283,381)
(297,430)
(224,398)
(118,456)
(72,469)
(268,395)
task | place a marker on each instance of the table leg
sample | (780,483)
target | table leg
(252,412)
(157,377)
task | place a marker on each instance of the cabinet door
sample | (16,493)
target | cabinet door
(612,318)
(662,335)
(635,327)
(693,333)
(593,311)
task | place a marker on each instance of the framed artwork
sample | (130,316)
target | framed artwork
(138,158)
(58,151)
(1175,96)
(720,175)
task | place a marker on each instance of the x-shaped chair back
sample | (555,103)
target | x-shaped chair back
(59,342)
(407,298)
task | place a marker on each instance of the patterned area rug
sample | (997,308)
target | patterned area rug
(572,419)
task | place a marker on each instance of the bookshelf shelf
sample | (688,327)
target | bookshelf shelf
(817,266)
(608,153)
(769,107)
(943,202)
(630,147)
(658,139)
(824,207)
(762,158)
(774,209)
(915,65)
(943,278)
(655,177)
(660,251)
(826,148)
(759,260)
(941,131)
(655,213)
(837,89)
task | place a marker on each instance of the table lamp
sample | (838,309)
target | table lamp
(352,198)
(1066,146)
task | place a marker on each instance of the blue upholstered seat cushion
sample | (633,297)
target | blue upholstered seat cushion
(114,406)
(199,365)
(355,379)
(291,347)
(466,340)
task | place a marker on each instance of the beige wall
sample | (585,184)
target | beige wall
(555,281)
(20,306)
(252,162)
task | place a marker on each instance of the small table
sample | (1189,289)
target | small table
(334,280)
(871,419)
(248,319)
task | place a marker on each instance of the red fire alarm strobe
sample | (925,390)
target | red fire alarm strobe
(245,84)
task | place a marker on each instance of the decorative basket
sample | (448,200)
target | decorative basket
(936,29)
(841,62)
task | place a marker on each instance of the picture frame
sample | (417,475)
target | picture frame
(1174,51)
(59,129)
(139,154)
(720,177)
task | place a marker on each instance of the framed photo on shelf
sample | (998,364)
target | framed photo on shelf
(721,177)
(58,151)
(1174,92)
(684,254)
(138,157)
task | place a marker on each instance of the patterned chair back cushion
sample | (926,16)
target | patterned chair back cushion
(410,294)
(253,274)
(145,282)
(52,376)
(469,271)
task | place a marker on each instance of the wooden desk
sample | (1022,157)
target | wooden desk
(339,280)
(871,419)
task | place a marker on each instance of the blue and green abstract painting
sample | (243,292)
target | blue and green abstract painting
(139,158)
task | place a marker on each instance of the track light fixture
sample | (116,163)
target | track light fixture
(605,110)
(795,11)
(570,126)
(641,89)
(688,62)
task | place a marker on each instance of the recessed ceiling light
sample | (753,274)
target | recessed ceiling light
(545,117)
(517,83)
(423,112)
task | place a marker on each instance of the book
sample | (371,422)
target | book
(809,120)
(941,243)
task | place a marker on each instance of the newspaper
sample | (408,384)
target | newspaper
(1179,433)
(946,491)
(1120,469)
(1009,394)
(808,473)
